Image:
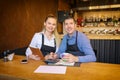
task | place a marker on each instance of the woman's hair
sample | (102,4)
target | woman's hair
(55,31)
(50,16)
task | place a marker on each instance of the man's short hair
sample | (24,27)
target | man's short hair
(69,17)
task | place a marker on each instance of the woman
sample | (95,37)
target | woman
(47,40)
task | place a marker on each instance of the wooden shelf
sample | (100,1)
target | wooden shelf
(102,36)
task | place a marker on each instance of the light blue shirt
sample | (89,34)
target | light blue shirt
(83,44)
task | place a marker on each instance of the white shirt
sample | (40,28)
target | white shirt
(37,42)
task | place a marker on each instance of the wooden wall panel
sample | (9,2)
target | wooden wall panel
(20,19)
(63,5)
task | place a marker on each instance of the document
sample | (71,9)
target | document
(65,63)
(51,69)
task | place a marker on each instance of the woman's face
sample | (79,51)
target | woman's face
(50,24)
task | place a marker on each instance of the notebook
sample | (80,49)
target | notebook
(37,51)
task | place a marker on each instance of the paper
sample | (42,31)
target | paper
(51,69)
(65,63)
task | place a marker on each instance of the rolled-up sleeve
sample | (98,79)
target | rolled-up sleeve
(85,46)
(35,42)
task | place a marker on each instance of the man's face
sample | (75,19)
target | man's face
(69,26)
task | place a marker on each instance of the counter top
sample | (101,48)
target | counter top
(102,36)
(14,70)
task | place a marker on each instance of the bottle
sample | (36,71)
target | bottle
(5,56)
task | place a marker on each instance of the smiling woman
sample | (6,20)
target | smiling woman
(46,40)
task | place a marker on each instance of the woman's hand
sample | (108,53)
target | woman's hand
(34,57)
(51,56)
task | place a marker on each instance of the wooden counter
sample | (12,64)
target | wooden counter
(86,71)
(103,37)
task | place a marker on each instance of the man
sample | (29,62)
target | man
(75,44)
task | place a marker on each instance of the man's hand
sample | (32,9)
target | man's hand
(70,58)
